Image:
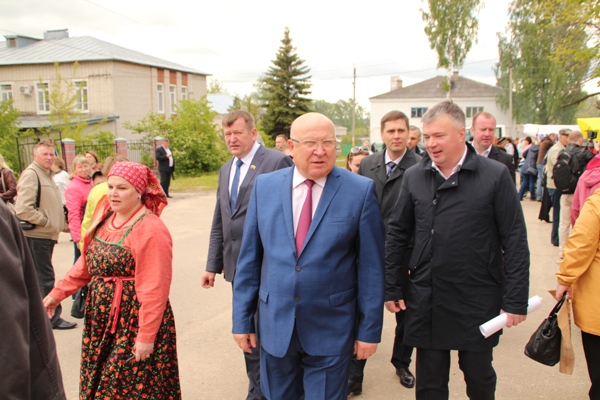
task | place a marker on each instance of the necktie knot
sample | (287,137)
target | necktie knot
(391,165)
(239,163)
(309,183)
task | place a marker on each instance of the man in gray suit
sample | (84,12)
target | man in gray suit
(387,168)
(236,179)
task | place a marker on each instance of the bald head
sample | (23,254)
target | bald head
(313,145)
(311,121)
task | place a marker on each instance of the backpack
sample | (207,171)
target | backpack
(566,172)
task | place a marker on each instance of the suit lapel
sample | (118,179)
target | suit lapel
(224,187)
(256,160)
(286,202)
(331,187)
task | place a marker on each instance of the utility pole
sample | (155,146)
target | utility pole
(354,108)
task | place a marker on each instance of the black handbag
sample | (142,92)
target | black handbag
(544,344)
(78,308)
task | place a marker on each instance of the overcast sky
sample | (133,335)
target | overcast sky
(235,41)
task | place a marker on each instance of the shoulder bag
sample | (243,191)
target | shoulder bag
(544,344)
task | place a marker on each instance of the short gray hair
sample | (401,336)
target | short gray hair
(414,128)
(445,108)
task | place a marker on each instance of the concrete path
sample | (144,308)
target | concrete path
(212,367)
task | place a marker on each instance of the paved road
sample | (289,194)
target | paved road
(212,367)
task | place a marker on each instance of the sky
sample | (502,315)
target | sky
(235,41)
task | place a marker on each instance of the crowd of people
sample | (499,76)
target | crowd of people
(314,254)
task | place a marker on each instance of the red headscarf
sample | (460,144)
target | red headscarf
(144,181)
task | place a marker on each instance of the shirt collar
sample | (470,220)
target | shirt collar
(397,160)
(298,179)
(247,159)
(487,151)
(456,168)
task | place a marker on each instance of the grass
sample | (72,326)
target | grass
(208,181)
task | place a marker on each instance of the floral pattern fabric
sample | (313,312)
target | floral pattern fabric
(106,372)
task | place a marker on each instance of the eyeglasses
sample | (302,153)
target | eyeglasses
(310,144)
(362,149)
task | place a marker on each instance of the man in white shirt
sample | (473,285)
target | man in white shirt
(166,165)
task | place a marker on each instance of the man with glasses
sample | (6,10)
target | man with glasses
(236,179)
(386,169)
(551,156)
(312,256)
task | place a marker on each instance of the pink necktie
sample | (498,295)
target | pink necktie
(305,218)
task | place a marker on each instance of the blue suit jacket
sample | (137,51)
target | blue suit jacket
(333,292)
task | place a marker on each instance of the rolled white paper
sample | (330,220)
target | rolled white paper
(495,324)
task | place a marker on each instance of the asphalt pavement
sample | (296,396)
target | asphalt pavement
(211,366)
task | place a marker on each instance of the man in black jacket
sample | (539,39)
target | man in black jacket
(387,168)
(483,129)
(470,259)
(166,165)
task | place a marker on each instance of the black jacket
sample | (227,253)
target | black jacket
(470,256)
(387,190)
(29,369)
(163,160)
(505,158)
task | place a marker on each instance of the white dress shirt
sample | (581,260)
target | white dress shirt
(455,169)
(299,190)
(247,161)
(168,151)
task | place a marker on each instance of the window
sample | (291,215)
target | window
(184,93)
(417,112)
(43,104)
(6,90)
(471,111)
(82,95)
(173,97)
(161,98)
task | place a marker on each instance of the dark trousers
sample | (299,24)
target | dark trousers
(165,180)
(555,197)
(41,252)
(299,375)
(528,183)
(591,349)
(400,354)
(433,374)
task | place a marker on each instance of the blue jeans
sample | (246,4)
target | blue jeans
(540,190)
(527,184)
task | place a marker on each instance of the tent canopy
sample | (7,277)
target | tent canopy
(588,124)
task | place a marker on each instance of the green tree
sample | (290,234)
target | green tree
(340,113)
(9,132)
(541,82)
(192,134)
(216,87)
(284,89)
(451,29)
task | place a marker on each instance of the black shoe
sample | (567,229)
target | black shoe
(407,379)
(354,388)
(63,325)
(170,197)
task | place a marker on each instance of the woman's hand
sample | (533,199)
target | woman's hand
(50,305)
(143,350)
(560,289)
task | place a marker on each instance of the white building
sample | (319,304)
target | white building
(415,100)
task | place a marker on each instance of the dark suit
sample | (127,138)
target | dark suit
(387,190)
(312,307)
(165,171)
(227,229)
(505,158)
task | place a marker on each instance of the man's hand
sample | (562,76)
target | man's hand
(395,306)
(514,319)
(246,341)
(364,350)
(208,279)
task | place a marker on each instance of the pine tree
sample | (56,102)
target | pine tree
(284,89)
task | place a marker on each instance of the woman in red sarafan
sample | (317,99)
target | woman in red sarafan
(128,348)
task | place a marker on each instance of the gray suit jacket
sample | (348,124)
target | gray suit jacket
(228,226)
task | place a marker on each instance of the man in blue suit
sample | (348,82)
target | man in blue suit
(312,256)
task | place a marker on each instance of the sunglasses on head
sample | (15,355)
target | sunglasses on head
(358,149)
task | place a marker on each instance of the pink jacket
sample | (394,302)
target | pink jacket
(76,195)
(588,182)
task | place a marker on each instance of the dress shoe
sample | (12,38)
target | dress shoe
(169,196)
(407,379)
(354,388)
(63,325)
